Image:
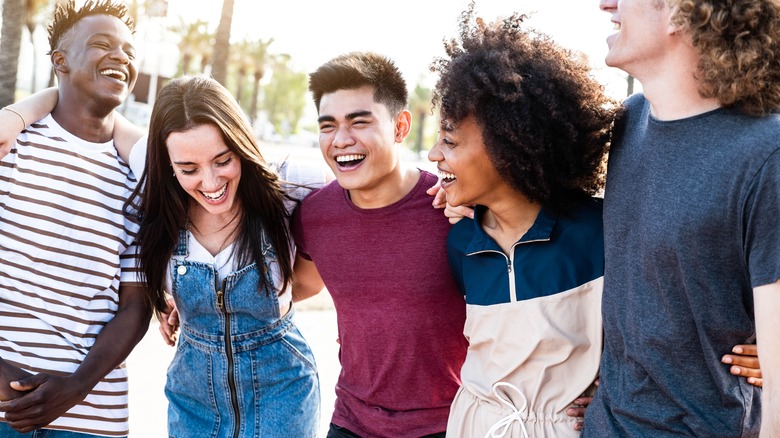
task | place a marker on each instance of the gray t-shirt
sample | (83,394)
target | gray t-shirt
(691,226)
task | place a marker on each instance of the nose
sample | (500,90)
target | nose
(435,154)
(119,55)
(342,137)
(211,181)
(608,5)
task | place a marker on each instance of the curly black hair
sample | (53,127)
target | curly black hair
(66,16)
(545,121)
(356,69)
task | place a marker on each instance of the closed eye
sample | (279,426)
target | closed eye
(224,163)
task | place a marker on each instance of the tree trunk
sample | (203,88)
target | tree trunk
(34,78)
(10,44)
(222,44)
(255,96)
(420,132)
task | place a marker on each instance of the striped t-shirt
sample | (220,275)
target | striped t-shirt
(64,236)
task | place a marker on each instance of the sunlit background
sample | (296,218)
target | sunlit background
(274,44)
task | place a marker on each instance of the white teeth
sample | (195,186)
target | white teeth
(346,158)
(446,176)
(116,74)
(616,26)
(215,195)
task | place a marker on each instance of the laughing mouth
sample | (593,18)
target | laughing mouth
(447,177)
(350,160)
(215,196)
(114,74)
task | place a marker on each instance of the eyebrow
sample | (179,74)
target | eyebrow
(190,163)
(350,116)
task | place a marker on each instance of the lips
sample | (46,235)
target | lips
(215,196)
(446,177)
(114,74)
(349,160)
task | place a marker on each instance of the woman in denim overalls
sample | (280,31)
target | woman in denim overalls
(214,232)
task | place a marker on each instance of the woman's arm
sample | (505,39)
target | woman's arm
(16,117)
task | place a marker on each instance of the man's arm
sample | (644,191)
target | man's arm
(51,396)
(125,136)
(306,279)
(29,110)
(767,307)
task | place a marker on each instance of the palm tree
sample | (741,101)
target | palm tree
(259,56)
(32,12)
(195,41)
(240,62)
(222,44)
(10,44)
(420,107)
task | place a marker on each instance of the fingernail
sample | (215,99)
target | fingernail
(727,359)
(735,370)
(737,350)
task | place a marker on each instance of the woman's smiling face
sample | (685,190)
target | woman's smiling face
(206,168)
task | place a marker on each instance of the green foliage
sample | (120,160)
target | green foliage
(285,96)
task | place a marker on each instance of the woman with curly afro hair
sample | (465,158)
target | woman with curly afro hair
(524,131)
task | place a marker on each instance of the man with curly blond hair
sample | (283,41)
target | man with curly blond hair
(691,221)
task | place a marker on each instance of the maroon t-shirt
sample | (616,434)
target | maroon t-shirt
(400,314)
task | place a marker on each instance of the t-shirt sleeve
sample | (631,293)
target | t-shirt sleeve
(297,232)
(138,156)
(762,224)
(128,263)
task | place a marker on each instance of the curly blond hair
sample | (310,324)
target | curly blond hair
(738,42)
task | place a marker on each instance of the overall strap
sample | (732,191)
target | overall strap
(181,249)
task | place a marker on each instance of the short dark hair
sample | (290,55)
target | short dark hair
(545,120)
(357,69)
(66,16)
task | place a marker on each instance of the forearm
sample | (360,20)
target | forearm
(117,338)
(306,280)
(36,106)
(767,306)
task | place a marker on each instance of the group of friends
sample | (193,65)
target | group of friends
(639,311)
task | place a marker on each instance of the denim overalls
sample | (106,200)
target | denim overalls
(240,370)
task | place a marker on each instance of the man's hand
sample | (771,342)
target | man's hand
(744,362)
(46,398)
(169,323)
(8,374)
(453,213)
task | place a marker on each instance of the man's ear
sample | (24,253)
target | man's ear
(403,125)
(673,28)
(59,62)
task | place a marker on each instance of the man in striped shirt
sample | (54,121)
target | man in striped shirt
(71,305)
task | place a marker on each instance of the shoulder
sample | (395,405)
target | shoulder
(322,197)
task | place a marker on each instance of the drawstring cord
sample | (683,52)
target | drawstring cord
(501,427)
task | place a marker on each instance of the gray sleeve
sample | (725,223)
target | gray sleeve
(762,223)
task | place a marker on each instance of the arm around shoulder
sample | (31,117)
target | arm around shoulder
(767,307)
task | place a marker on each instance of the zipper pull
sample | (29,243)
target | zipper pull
(221,300)
(509,265)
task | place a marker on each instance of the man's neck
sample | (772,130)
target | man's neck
(389,191)
(672,88)
(82,120)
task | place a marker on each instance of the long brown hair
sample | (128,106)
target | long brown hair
(183,104)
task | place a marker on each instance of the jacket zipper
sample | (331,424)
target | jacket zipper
(229,352)
(510,262)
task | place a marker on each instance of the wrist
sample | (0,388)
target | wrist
(9,109)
